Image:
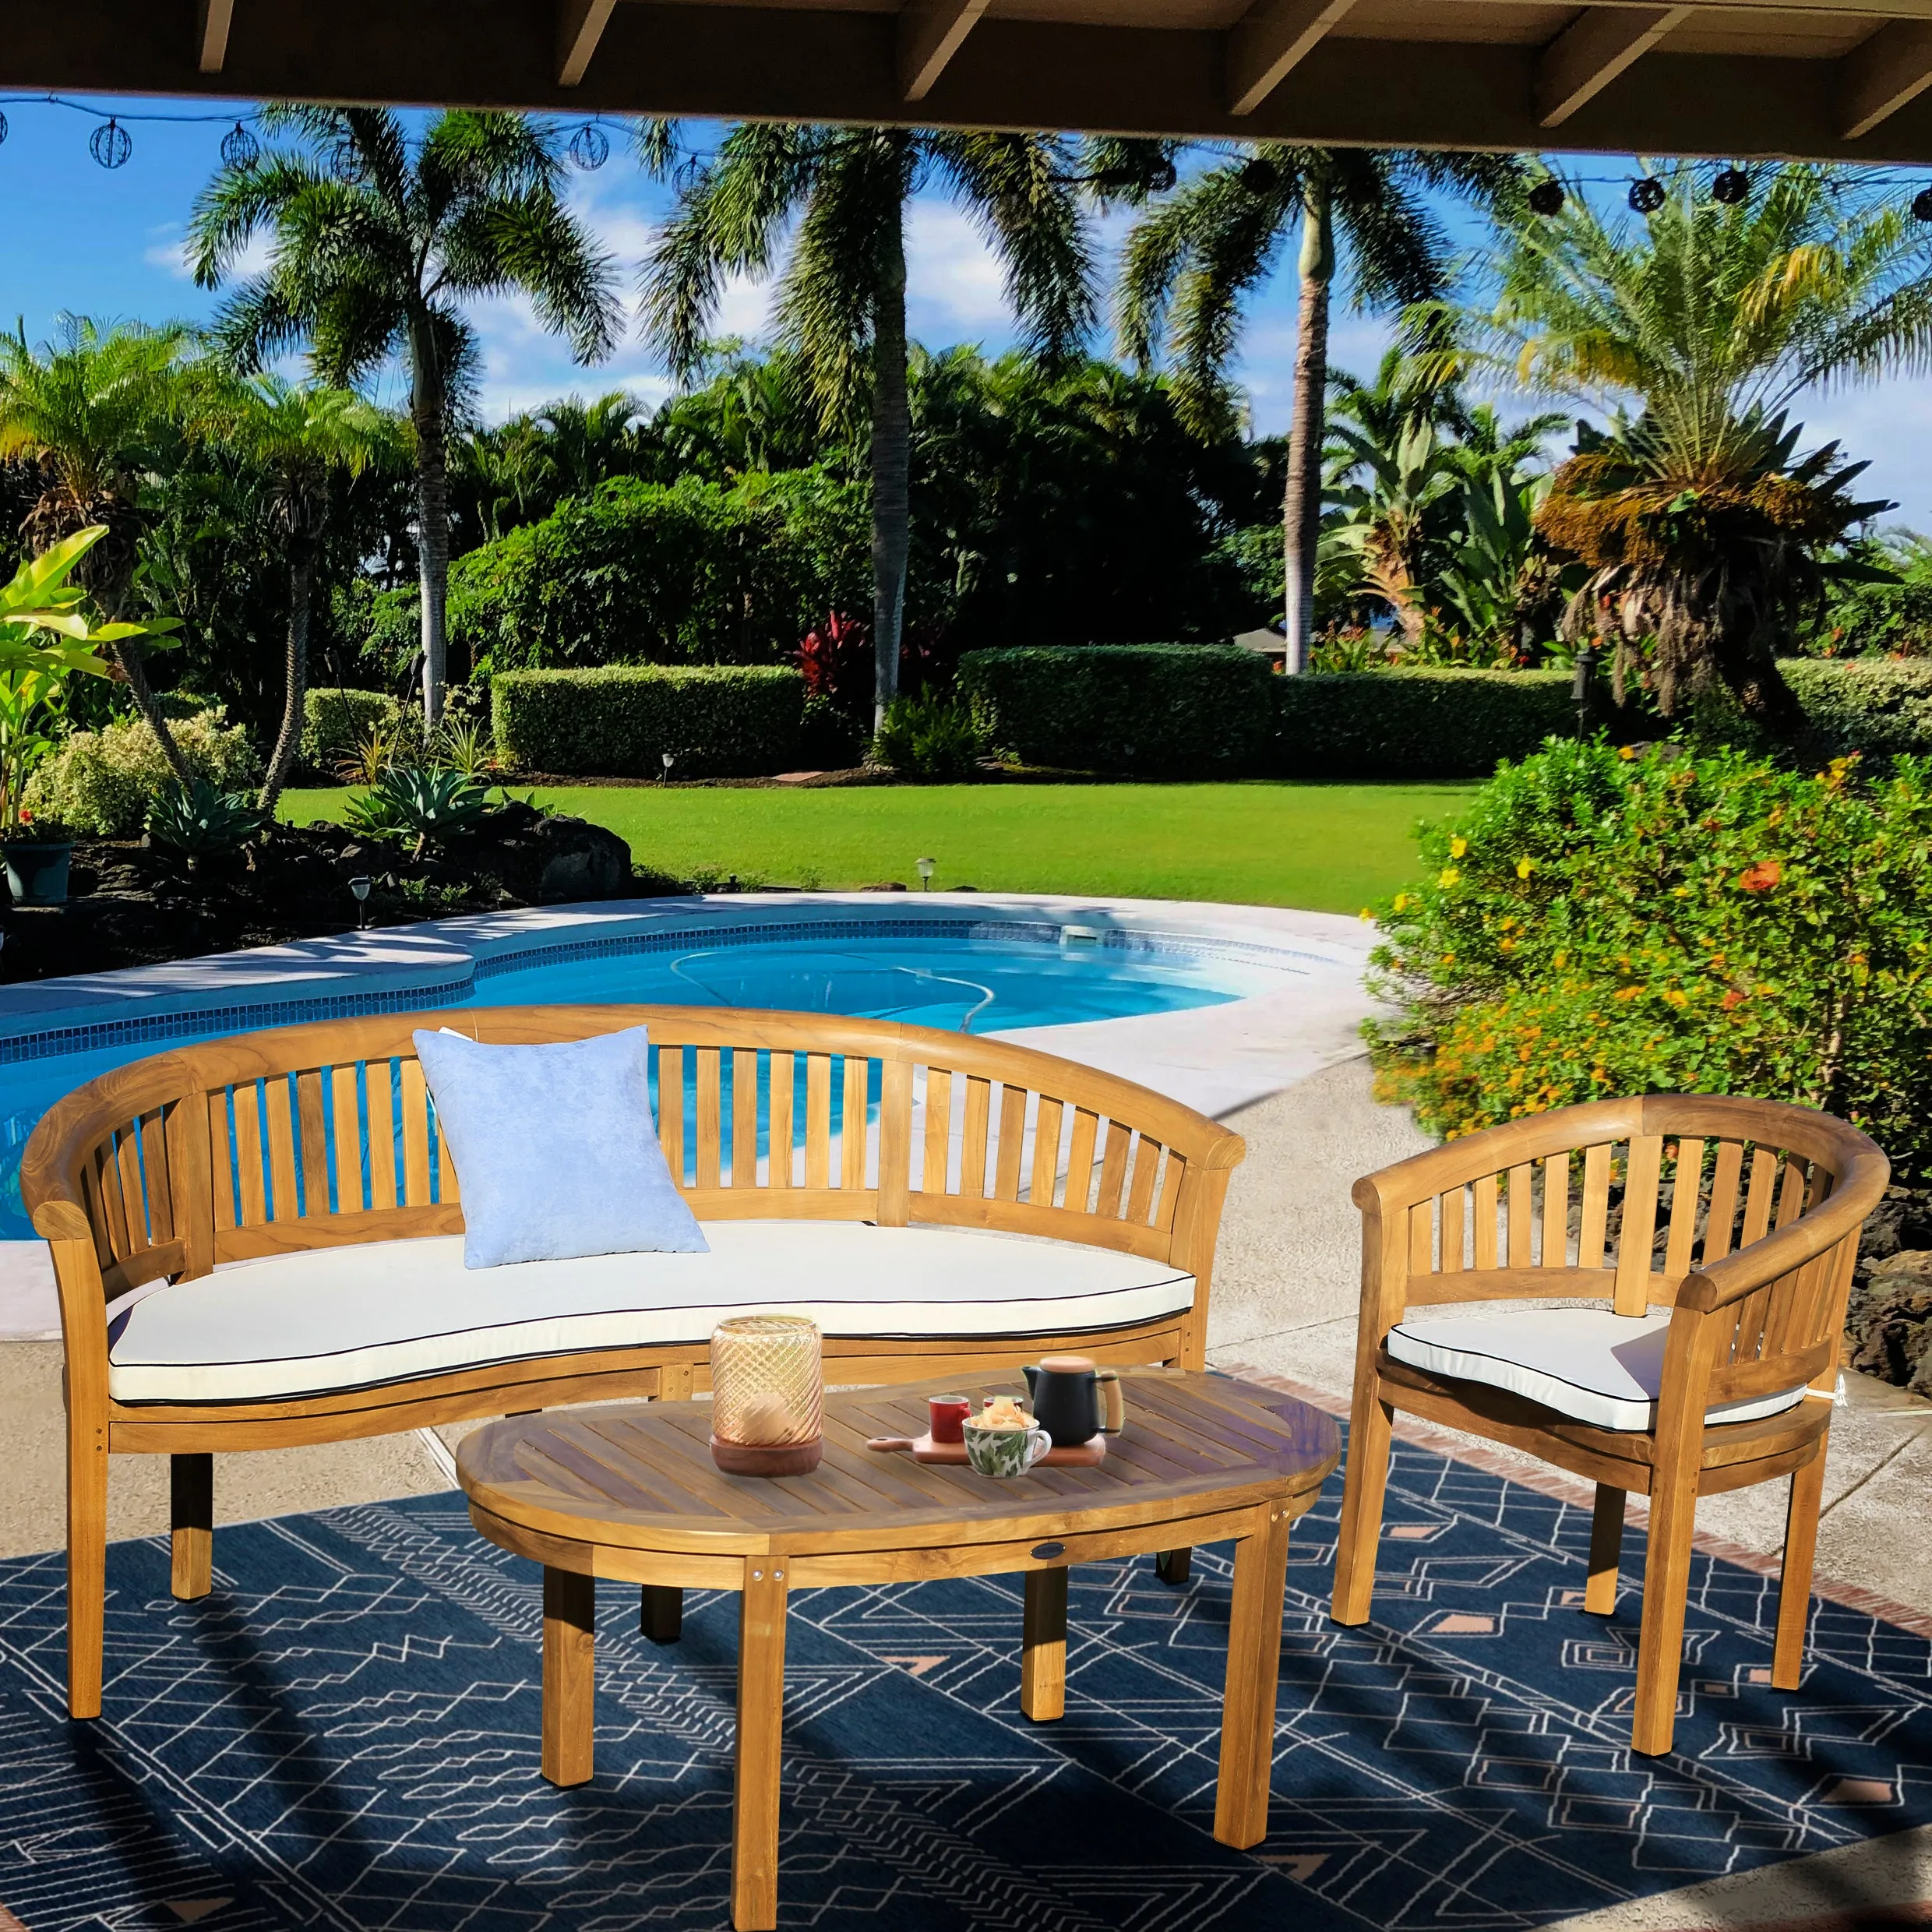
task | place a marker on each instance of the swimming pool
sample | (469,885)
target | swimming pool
(978,975)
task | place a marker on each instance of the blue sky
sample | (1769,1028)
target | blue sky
(74,236)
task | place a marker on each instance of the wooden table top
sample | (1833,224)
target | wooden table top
(639,1475)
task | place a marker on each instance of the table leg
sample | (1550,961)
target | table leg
(1172,1566)
(761,1634)
(1043,1646)
(661,1613)
(1254,1663)
(569,1604)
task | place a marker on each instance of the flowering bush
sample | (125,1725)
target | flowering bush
(100,784)
(1605,922)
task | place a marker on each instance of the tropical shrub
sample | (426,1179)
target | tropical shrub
(1601,923)
(430,803)
(930,738)
(100,784)
(197,822)
(337,721)
(1153,711)
(716,720)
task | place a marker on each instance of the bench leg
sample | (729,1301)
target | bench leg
(87,1564)
(1794,1589)
(1043,1646)
(661,1613)
(1173,1565)
(191,1516)
(1606,1544)
(1254,1666)
(761,1635)
(569,1676)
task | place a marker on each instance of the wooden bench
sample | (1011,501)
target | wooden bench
(232,1226)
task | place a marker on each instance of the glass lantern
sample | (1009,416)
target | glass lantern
(767,1395)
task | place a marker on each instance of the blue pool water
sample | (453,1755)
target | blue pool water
(1031,976)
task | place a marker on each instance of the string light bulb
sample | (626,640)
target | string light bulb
(239,148)
(590,147)
(110,144)
(1647,195)
(1260,176)
(1546,197)
(3,127)
(1731,187)
(1922,205)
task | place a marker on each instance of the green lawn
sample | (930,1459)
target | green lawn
(1329,847)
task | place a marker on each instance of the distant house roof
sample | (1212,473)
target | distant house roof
(1844,78)
(1270,644)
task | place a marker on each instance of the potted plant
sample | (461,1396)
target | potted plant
(46,640)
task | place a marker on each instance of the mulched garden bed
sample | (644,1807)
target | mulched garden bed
(130,905)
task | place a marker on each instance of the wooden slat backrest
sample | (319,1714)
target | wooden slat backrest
(309,1136)
(1670,1185)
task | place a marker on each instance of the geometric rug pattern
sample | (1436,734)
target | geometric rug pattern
(344,1735)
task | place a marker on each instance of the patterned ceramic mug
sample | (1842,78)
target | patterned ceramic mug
(1004,1451)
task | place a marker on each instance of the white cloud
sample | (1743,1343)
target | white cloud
(169,252)
(953,278)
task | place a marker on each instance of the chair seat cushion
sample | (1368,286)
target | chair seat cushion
(329,1319)
(1584,1363)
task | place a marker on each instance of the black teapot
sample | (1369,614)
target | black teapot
(1073,1400)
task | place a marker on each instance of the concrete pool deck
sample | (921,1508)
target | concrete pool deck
(1284,1303)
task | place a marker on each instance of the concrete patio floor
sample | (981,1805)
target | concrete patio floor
(1283,1303)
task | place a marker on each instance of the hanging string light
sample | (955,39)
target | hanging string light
(3,127)
(345,162)
(1647,195)
(239,148)
(1922,205)
(1546,197)
(110,144)
(1260,177)
(590,147)
(1732,186)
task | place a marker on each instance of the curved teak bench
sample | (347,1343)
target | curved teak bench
(1738,1225)
(288,1192)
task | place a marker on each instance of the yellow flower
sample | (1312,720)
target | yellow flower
(1368,915)
(1524,867)
(1400,903)
(1561,960)
(1627,992)
(1457,846)
(1448,876)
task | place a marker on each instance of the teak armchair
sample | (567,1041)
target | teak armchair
(1732,1387)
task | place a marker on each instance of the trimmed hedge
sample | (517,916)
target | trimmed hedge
(1146,710)
(722,721)
(1416,723)
(336,720)
(1876,705)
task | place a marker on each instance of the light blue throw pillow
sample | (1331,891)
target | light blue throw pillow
(556,1149)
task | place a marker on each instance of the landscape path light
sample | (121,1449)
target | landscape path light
(925,873)
(359,885)
(669,760)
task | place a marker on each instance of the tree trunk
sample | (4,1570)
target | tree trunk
(302,571)
(891,462)
(426,405)
(128,655)
(1301,509)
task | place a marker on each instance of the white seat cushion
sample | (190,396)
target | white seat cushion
(344,1318)
(1585,1362)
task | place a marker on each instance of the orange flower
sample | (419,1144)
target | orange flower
(1732,1000)
(1761,877)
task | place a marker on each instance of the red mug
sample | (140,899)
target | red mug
(948,1414)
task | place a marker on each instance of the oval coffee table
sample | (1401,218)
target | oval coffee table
(630,1491)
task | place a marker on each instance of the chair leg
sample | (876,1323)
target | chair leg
(1666,1586)
(1606,1544)
(190,1515)
(86,1565)
(1370,1426)
(1794,1589)
(1174,1566)
(661,1613)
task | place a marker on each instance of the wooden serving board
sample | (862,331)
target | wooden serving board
(1084,1455)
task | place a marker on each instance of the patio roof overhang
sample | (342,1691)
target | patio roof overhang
(1834,79)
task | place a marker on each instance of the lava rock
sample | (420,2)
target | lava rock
(550,860)
(1888,1321)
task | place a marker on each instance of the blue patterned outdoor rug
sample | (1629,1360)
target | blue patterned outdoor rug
(345,1735)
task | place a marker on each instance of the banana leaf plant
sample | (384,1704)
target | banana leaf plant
(47,637)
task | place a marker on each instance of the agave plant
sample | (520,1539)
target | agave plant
(196,821)
(431,802)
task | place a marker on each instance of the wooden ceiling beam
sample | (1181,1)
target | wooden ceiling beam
(213,18)
(930,32)
(581,25)
(1881,74)
(1272,39)
(1592,51)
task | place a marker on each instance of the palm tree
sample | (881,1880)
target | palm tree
(1707,534)
(97,410)
(379,241)
(294,442)
(1193,262)
(839,194)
